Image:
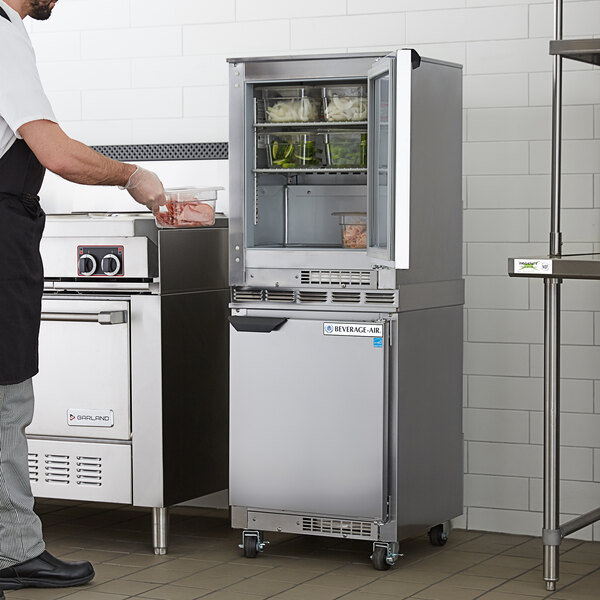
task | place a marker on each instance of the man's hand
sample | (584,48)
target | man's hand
(146,188)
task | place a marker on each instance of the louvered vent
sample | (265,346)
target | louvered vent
(345,297)
(89,470)
(246,295)
(280,296)
(335,277)
(57,469)
(306,297)
(34,466)
(380,298)
(337,527)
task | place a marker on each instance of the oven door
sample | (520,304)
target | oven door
(83,387)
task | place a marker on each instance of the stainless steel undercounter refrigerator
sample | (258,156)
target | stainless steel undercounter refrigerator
(345,250)
(132,393)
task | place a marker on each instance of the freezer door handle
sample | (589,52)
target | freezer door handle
(109,317)
(257,324)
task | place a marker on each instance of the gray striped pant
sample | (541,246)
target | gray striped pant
(20,528)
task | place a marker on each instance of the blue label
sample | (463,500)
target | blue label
(377,342)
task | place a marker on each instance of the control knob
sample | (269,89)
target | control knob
(87,265)
(111,264)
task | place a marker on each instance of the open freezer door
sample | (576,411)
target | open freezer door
(388,173)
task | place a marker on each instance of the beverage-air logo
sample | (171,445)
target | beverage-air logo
(88,417)
(354,329)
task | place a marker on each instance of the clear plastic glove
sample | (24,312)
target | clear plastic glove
(146,188)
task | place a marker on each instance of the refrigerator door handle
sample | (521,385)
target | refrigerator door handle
(257,324)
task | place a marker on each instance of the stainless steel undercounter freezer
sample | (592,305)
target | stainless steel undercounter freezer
(345,248)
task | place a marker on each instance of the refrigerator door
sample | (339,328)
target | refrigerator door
(308,414)
(388,174)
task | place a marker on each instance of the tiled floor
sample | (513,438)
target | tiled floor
(204,562)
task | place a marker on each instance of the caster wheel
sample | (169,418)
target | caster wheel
(250,546)
(437,536)
(378,558)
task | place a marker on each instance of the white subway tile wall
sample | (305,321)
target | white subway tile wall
(149,71)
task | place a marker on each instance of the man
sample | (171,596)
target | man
(30,142)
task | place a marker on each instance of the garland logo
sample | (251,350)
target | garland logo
(88,417)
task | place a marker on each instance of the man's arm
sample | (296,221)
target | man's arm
(77,162)
(71,159)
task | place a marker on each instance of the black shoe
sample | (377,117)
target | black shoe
(45,571)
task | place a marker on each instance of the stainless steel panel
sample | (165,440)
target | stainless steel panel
(83,365)
(79,470)
(435,212)
(60,256)
(193,259)
(237,172)
(146,401)
(308,416)
(325,258)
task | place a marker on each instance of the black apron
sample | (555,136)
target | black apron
(22,223)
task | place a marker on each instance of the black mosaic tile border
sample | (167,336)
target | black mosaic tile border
(141,152)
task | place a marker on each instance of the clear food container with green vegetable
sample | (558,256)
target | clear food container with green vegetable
(354,229)
(292,104)
(345,103)
(294,150)
(346,149)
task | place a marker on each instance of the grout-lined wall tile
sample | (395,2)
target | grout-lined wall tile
(139,72)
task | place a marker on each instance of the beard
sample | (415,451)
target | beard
(40,9)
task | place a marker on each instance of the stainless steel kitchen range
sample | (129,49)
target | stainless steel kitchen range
(346,315)
(131,398)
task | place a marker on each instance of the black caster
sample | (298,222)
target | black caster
(379,559)
(250,546)
(437,536)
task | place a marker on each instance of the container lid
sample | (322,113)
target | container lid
(190,194)
(290,92)
(349,214)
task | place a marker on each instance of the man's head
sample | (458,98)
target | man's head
(36,9)
(41,9)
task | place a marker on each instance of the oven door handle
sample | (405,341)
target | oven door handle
(107,317)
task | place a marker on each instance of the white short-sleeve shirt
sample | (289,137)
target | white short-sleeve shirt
(22,97)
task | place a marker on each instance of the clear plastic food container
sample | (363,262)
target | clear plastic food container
(188,207)
(354,229)
(345,103)
(346,149)
(294,150)
(292,104)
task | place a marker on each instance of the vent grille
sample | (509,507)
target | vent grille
(244,295)
(57,469)
(34,466)
(280,296)
(380,298)
(89,470)
(337,527)
(61,469)
(306,297)
(345,297)
(335,277)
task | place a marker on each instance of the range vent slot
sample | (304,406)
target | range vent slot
(345,297)
(337,527)
(247,295)
(335,277)
(57,469)
(89,471)
(306,297)
(280,296)
(34,466)
(380,298)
